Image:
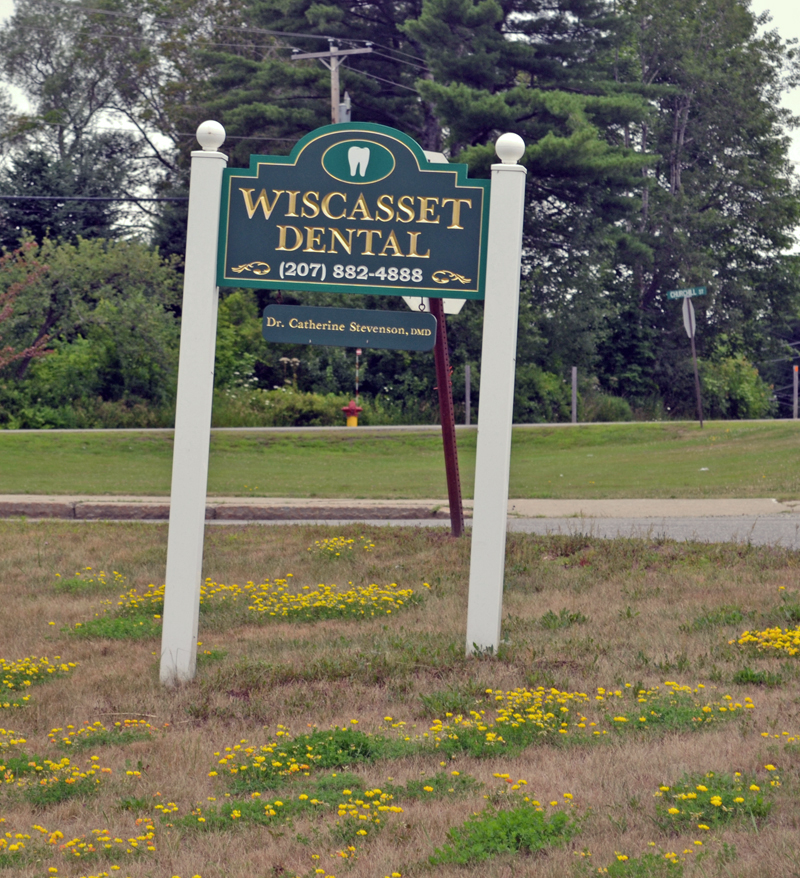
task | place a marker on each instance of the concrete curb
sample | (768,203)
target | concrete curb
(232,509)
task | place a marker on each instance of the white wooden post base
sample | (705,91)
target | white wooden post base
(193,412)
(498,363)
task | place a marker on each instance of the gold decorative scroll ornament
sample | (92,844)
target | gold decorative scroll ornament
(251,266)
(443,276)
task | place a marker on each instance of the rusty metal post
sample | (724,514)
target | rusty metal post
(697,381)
(447,417)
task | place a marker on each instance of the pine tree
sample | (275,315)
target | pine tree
(719,205)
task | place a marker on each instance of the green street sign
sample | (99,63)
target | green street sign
(355,208)
(687,293)
(350,327)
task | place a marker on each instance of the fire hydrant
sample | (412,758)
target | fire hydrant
(351,410)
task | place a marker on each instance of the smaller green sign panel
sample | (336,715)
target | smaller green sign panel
(355,208)
(350,327)
(687,293)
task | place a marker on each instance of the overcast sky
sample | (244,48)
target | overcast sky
(785,20)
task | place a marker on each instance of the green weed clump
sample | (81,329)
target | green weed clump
(134,616)
(453,699)
(10,740)
(563,619)
(788,610)
(361,810)
(233,813)
(707,802)
(17,676)
(99,843)
(93,735)
(137,615)
(87,580)
(274,602)
(43,782)
(674,708)
(12,850)
(775,638)
(338,547)
(649,865)
(748,677)
(523,718)
(439,786)
(522,828)
(268,767)
(116,628)
(725,615)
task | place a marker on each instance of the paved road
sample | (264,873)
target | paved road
(773,530)
(759,521)
(761,530)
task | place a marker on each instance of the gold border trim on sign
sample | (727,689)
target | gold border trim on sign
(249,266)
(443,276)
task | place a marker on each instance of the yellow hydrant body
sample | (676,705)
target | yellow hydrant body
(351,412)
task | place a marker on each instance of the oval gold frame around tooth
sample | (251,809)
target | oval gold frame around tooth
(354,181)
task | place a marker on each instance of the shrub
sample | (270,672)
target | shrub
(607,408)
(254,407)
(540,396)
(251,406)
(732,388)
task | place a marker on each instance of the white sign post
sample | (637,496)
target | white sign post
(187,511)
(498,363)
(689,322)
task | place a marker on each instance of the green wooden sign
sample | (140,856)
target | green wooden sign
(355,208)
(350,327)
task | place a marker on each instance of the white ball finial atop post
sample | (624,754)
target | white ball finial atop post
(210,135)
(509,148)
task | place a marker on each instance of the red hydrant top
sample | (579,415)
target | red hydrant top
(351,409)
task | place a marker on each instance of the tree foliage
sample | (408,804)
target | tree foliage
(656,152)
(108,311)
(13,282)
(719,205)
(85,181)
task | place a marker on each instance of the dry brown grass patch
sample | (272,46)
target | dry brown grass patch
(634,611)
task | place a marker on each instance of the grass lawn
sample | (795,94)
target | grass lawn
(726,459)
(626,727)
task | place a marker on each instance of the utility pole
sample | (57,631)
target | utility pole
(332,59)
(333,66)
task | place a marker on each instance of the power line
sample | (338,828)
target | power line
(254,30)
(244,137)
(381,79)
(399,61)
